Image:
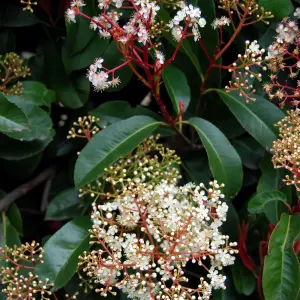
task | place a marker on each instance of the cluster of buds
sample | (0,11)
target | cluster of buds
(150,163)
(18,276)
(287,149)
(85,128)
(144,239)
(283,57)
(28,4)
(12,69)
(244,70)
(248,9)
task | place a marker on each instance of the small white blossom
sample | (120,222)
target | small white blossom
(220,22)
(160,57)
(297,13)
(70,15)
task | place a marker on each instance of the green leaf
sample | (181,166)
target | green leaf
(258,117)
(109,144)
(12,118)
(177,87)
(79,34)
(8,234)
(14,215)
(36,93)
(270,177)
(65,205)
(244,281)
(279,8)
(223,159)
(257,203)
(15,150)
(186,48)
(86,57)
(39,120)
(250,151)
(62,251)
(114,111)
(7,41)
(58,80)
(281,268)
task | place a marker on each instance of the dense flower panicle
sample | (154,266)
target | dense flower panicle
(150,163)
(287,148)
(144,238)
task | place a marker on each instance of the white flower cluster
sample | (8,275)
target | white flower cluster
(297,13)
(70,13)
(148,235)
(187,15)
(99,78)
(219,22)
(287,33)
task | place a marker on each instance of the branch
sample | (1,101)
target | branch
(23,189)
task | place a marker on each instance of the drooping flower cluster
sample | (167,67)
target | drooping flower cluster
(144,239)
(283,58)
(12,69)
(287,148)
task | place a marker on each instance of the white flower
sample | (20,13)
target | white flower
(220,22)
(70,15)
(177,33)
(297,13)
(254,47)
(160,57)
(142,34)
(77,3)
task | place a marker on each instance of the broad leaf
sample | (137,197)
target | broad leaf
(258,202)
(65,205)
(62,251)
(14,215)
(36,93)
(270,178)
(109,144)
(177,87)
(223,159)
(12,118)
(258,117)
(281,268)
(244,281)
(279,8)
(39,120)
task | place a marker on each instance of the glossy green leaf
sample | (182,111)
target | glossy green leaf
(177,87)
(86,57)
(15,150)
(257,117)
(186,48)
(14,215)
(58,80)
(223,159)
(36,93)
(109,144)
(65,205)
(270,178)
(279,8)
(244,281)
(8,234)
(79,34)
(114,111)
(281,275)
(258,202)
(12,118)
(39,121)
(62,251)
(250,151)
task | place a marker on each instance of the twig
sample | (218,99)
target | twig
(46,193)
(25,188)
